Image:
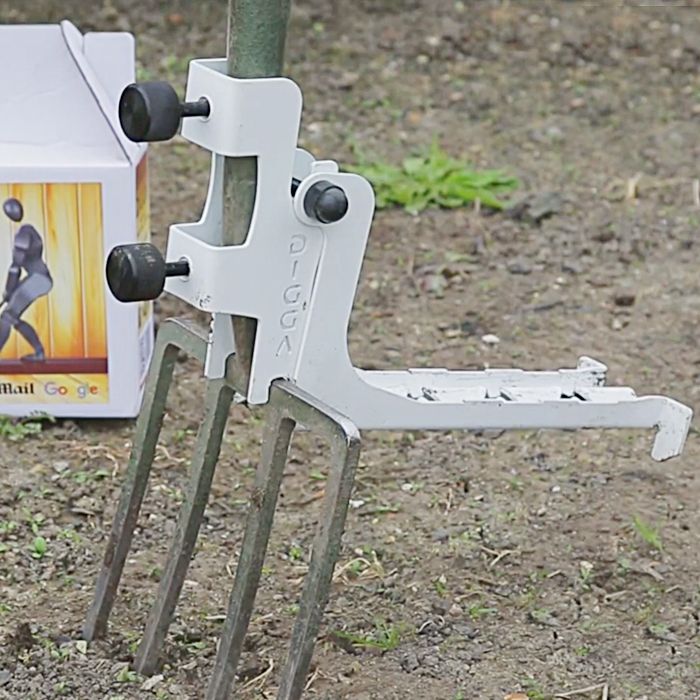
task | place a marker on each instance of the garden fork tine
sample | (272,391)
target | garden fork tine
(173,337)
(345,443)
(288,406)
(276,438)
(219,394)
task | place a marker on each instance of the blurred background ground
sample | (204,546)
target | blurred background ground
(473,566)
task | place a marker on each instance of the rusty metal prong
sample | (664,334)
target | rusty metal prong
(345,443)
(173,336)
(217,402)
(275,447)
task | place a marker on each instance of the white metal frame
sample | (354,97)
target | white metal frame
(298,278)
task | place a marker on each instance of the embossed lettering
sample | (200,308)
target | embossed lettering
(288,320)
(284,346)
(292,293)
(297,245)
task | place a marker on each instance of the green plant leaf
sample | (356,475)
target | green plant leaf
(434,179)
(39,547)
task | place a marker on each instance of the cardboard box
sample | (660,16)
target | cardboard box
(72,186)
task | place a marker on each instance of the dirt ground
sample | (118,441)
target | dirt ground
(473,566)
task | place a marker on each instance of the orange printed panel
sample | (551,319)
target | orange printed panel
(63,259)
(143,203)
(9,349)
(37,315)
(92,259)
(143,226)
(70,320)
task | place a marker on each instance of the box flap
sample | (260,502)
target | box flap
(55,112)
(107,62)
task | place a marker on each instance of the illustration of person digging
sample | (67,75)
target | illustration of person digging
(20,294)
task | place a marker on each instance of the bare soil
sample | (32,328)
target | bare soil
(493,563)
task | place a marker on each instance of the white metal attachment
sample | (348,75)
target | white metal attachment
(298,278)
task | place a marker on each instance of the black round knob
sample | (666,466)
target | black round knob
(152,111)
(137,271)
(325,202)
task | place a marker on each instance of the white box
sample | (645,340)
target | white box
(82,188)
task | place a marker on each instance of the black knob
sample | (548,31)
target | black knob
(325,202)
(152,111)
(137,271)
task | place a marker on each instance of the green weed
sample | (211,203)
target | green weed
(648,533)
(126,675)
(476,612)
(39,547)
(434,179)
(18,429)
(8,526)
(534,690)
(175,67)
(440,585)
(384,637)
(35,521)
(295,553)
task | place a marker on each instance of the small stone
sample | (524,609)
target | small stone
(466,630)
(519,266)
(109,13)
(469,327)
(152,682)
(572,267)
(534,208)
(22,638)
(175,19)
(604,236)
(410,662)
(490,339)
(440,606)
(554,133)
(440,535)
(625,299)
(616,324)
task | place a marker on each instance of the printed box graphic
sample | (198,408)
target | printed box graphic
(72,187)
(53,331)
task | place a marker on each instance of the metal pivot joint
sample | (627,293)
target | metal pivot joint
(325,202)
